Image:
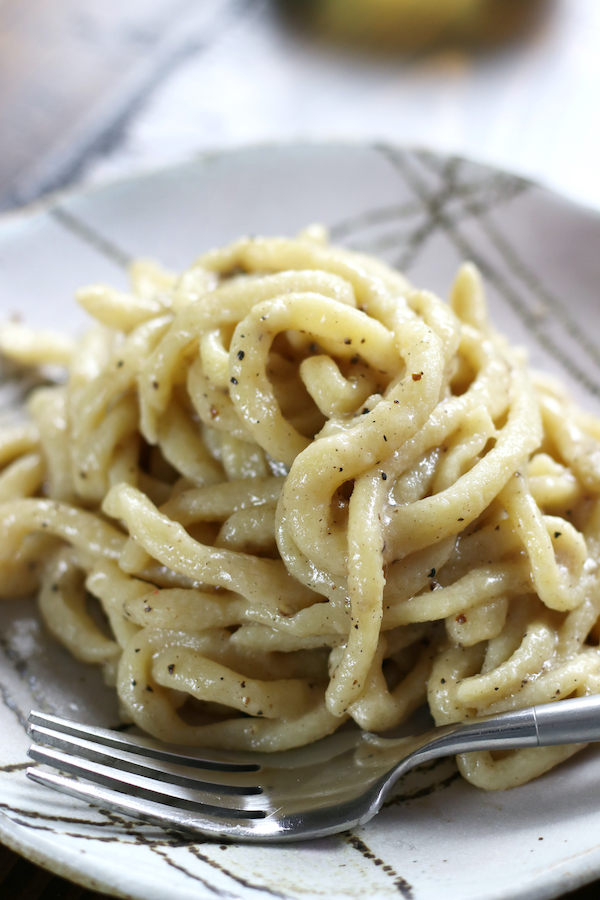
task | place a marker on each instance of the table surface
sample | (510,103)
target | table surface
(90,92)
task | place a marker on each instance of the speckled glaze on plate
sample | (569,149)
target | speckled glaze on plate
(425,213)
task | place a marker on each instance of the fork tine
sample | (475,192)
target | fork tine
(143,746)
(149,811)
(222,782)
(193,799)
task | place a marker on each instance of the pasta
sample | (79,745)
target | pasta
(287,489)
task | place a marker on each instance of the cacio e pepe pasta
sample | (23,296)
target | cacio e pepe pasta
(304,491)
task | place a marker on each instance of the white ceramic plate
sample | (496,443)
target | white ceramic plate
(540,256)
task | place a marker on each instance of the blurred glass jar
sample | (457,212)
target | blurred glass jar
(416,25)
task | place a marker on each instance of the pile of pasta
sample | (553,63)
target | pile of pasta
(286,488)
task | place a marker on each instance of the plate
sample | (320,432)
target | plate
(437,836)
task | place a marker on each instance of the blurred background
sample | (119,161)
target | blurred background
(90,91)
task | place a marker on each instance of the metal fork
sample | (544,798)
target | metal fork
(333,785)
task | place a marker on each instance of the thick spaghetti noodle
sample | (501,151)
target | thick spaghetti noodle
(301,491)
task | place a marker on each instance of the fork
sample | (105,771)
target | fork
(328,787)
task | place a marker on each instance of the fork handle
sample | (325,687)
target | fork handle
(571,721)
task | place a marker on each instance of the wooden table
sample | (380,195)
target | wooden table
(22,880)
